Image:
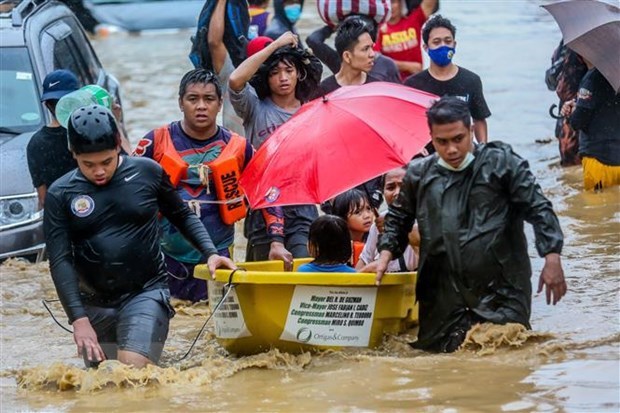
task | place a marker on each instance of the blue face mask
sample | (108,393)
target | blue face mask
(292,12)
(442,56)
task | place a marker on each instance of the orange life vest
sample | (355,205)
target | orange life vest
(225,171)
(357,248)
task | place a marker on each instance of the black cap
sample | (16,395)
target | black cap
(92,129)
(59,83)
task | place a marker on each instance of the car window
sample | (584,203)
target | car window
(64,47)
(20,108)
(87,56)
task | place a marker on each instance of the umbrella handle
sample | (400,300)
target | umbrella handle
(374,210)
(553,115)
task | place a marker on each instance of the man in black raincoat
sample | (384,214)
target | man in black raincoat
(470,202)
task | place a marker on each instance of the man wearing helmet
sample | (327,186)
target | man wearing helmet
(101,229)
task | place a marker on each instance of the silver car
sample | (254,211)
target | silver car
(138,15)
(36,37)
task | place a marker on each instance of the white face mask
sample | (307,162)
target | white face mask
(469,158)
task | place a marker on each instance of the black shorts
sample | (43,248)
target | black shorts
(139,323)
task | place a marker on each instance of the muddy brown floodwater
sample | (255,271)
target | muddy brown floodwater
(569,362)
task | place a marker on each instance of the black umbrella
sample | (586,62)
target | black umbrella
(592,29)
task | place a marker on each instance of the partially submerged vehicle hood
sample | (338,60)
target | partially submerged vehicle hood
(147,15)
(14,176)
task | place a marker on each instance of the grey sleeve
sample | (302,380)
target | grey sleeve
(244,102)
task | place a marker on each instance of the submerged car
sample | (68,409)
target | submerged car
(139,15)
(36,37)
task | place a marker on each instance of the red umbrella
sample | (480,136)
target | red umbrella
(333,144)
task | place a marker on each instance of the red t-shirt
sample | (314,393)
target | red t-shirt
(402,41)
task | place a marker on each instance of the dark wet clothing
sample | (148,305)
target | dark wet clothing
(566,71)
(297,220)
(474,264)
(384,69)
(138,323)
(597,117)
(103,241)
(49,157)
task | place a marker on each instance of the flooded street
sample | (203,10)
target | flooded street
(569,362)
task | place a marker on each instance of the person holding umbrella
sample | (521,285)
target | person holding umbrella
(591,29)
(354,42)
(595,113)
(266,90)
(470,202)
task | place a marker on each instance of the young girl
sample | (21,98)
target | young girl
(354,207)
(329,243)
(392,181)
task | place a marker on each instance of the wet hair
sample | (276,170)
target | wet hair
(330,237)
(309,70)
(434,22)
(448,109)
(370,24)
(384,177)
(262,86)
(349,203)
(348,33)
(200,76)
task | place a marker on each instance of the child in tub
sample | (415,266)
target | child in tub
(329,243)
(392,182)
(355,208)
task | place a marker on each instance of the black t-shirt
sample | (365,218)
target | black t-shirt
(49,157)
(330,84)
(465,85)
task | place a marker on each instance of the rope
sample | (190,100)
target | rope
(45,302)
(226,289)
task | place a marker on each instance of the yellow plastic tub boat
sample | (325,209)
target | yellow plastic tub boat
(294,312)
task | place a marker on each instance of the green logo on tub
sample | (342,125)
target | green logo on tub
(304,334)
